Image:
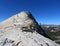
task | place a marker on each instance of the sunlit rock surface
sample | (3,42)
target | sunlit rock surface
(21,30)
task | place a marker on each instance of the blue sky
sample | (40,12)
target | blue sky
(44,11)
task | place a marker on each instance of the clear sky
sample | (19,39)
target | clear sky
(44,11)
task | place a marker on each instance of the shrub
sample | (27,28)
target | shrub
(26,29)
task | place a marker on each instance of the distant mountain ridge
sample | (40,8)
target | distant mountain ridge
(50,25)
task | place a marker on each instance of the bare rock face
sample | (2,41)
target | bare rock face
(21,30)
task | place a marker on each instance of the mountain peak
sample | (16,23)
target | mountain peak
(21,30)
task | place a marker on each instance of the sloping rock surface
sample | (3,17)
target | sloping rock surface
(21,30)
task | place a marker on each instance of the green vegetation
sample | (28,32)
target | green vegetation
(53,35)
(26,29)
